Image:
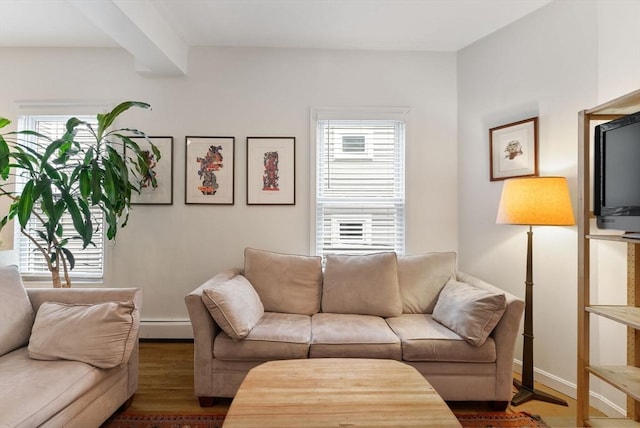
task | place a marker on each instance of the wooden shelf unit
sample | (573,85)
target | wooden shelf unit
(625,378)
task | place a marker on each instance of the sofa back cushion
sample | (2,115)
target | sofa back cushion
(102,334)
(421,277)
(362,284)
(234,305)
(286,283)
(16,313)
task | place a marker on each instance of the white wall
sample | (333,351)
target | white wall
(550,64)
(169,250)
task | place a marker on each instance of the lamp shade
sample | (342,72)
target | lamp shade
(536,201)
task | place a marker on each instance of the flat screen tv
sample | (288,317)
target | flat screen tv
(616,187)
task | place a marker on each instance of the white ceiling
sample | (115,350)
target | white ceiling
(170,26)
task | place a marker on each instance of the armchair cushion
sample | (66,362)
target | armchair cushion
(469,311)
(286,283)
(102,334)
(234,305)
(16,313)
(363,285)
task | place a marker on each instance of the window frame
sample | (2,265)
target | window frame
(402,114)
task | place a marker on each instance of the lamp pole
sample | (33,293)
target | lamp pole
(526,390)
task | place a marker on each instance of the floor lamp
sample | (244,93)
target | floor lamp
(533,201)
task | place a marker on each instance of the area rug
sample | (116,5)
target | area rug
(164,421)
(470,420)
(501,420)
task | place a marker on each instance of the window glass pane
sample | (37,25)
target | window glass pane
(360,186)
(88,262)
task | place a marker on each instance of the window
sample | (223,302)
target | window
(359,179)
(88,262)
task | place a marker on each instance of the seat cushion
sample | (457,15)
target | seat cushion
(362,284)
(276,336)
(32,391)
(234,305)
(352,336)
(424,339)
(16,313)
(469,311)
(286,283)
(421,277)
(102,334)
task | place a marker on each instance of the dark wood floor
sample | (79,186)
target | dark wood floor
(166,385)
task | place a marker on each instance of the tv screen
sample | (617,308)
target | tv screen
(617,174)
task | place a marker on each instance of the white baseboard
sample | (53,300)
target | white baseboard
(569,388)
(170,329)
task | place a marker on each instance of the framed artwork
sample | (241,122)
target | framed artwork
(271,171)
(209,170)
(514,149)
(161,169)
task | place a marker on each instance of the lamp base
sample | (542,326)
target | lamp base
(525,394)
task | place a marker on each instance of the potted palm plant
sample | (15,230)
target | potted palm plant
(63,177)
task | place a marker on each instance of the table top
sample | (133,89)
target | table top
(337,392)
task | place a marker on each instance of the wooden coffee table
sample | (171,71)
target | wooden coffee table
(337,392)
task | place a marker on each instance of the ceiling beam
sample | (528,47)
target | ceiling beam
(140,29)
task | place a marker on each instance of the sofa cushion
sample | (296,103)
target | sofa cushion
(16,313)
(285,283)
(362,284)
(352,336)
(424,339)
(102,334)
(33,391)
(234,305)
(277,336)
(421,277)
(469,311)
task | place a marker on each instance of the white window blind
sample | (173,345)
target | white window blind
(360,201)
(88,262)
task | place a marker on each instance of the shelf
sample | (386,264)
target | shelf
(628,315)
(612,423)
(625,378)
(626,104)
(617,238)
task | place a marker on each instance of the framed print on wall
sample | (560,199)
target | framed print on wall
(514,149)
(209,170)
(161,169)
(271,171)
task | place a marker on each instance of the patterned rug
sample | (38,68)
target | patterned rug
(164,421)
(500,420)
(471,420)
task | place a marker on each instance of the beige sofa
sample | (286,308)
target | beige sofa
(457,331)
(68,357)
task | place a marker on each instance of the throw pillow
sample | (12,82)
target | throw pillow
(102,334)
(469,311)
(234,305)
(362,284)
(421,277)
(286,283)
(16,313)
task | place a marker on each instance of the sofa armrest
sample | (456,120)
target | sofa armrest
(504,334)
(204,332)
(37,296)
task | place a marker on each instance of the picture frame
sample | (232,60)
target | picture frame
(162,169)
(209,170)
(271,171)
(514,150)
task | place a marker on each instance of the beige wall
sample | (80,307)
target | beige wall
(169,250)
(568,56)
